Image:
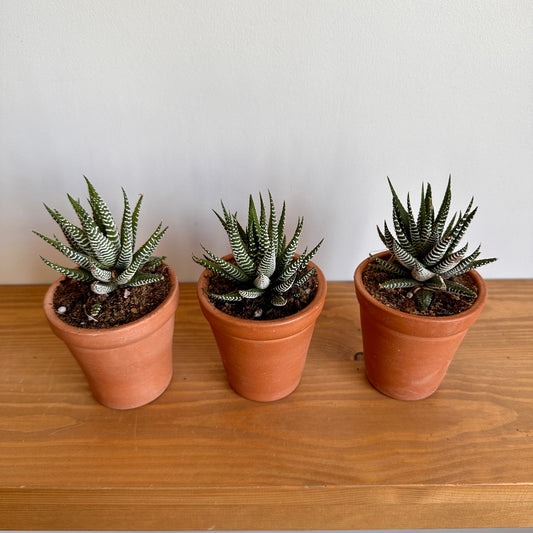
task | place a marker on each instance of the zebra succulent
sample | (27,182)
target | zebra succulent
(424,254)
(265,260)
(106,255)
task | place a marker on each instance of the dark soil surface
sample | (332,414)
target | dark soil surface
(261,308)
(122,306)
(443,304)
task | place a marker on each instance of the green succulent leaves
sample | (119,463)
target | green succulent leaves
(424,253)
(265,263)
(105,254)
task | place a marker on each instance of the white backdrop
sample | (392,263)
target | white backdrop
(191,101)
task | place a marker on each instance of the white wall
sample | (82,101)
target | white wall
(192,101)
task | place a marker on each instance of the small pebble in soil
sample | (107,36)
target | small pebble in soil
(62,310)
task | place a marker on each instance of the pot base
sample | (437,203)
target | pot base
(400,394)
(139,401)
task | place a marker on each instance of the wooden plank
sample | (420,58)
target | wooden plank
(266,508)
(335,454)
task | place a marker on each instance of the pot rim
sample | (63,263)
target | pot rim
(362,292)
(309,309)
(122,330)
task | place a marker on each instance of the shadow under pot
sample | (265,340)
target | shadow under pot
(407,356)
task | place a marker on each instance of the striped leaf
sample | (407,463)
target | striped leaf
(80,259)
(402,236)
(452,260)
(103,249)
(214,267)
(231,271)
(421,273)
(303,277)
(465,266)
(299,264)
(75,236)
(424,299)
(399,210)
(290,249)
(135,221)
(240,253)
(272,231)
(267,266)
(285,285)
(458,288)
(125,256)
(414,233)
(100,274)
(386,266)
(437,252)
(278,300)
(103,216)
(281,231)
(460,228)
(141,255)
(74,273)
(100,287)
(261,281)
(400,283)
(229,297)
(144,278)
(251,293)
(403,256)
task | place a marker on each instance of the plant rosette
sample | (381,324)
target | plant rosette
(126,366)
(407,356)
(263,359)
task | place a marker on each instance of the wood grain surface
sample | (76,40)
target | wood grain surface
(336,454)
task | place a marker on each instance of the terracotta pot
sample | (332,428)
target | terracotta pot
(126,366)
(407,356)
(263,359)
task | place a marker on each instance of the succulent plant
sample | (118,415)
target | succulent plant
(106,256)
(424,255)
(265,263)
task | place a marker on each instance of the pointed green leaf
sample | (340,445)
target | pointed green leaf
(79,258)
(141,255)
(126,236)
(303,277)
(400,283)
(229,297)
(239,250)
(74,273)
(386,266)
(135,221)
(103,216)
(75,236)
(458,288)
(251,293)
(278,300)
(144,278)
(103,248)
(100,287)
(424,299)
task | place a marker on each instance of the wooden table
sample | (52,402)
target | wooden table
(336,454)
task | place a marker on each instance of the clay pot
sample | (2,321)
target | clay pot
(263,359)
(126,366)
(407,356)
